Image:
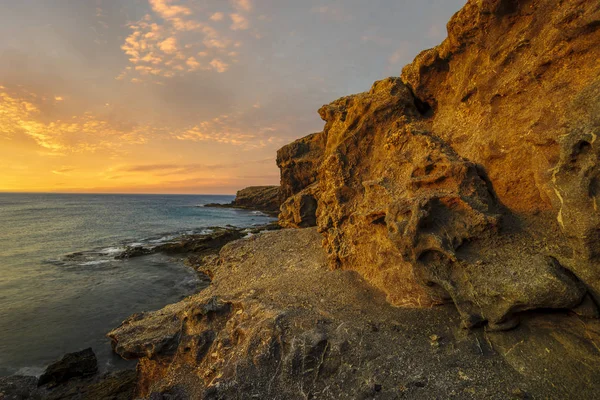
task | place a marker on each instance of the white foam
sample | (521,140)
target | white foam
(112,250)
(95,262)
(30,371)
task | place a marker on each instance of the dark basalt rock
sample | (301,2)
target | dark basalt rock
(72,365)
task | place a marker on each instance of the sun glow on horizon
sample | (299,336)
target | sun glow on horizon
(182,96)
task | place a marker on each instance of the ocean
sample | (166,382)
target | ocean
(61,288)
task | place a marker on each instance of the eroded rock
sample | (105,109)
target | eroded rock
(300,210)
(414,180)
(277,323)
(504,87)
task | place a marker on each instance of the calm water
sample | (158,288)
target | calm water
(52,302)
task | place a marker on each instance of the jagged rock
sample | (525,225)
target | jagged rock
(298,162)
(73,365)
(201,244)
(300,210)
(17,387)
(398,205)
(276,323)
(506,85)
(413,180)
(260,198)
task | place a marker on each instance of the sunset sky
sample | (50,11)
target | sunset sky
(185,96)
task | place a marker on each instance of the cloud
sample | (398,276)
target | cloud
(168,11)
(21,117)
(164,43)
(219,65)
(243,5)
(168,46)
(241,129)
(218,16)
(239,22)
(63,171)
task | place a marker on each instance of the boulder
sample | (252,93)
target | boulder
(73,365)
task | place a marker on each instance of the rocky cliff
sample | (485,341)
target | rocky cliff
(260,198)
(470,183)
(473,177)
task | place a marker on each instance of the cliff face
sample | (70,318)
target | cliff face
(474,177)
(516,89)
(299,162)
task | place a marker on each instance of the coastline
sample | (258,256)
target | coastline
(442,239)
(80,374)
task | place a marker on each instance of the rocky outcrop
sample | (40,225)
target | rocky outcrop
(260,198)
(300,209)
(73,365)
(276,323)
(473,179)
(511,82)
(75,377)
(515,89)
(464,179)
(299,162)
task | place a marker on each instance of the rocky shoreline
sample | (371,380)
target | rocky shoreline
(76,375)
(443,236)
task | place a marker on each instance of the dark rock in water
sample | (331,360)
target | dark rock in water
(134,251)
(201,243)
(17,387)
(114,386)
(73,365)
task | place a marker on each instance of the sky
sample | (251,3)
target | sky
(185,96)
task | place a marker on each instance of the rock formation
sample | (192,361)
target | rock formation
(299,162)
(276,323)
(261,198)
(464,179)
(472,179)
(76,377)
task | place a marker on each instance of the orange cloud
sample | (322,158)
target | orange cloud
(20,116)
(167,47)
(243,5)
(239,22)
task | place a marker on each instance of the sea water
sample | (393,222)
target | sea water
(61,287)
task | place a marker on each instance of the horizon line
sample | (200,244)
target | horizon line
(120,193)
